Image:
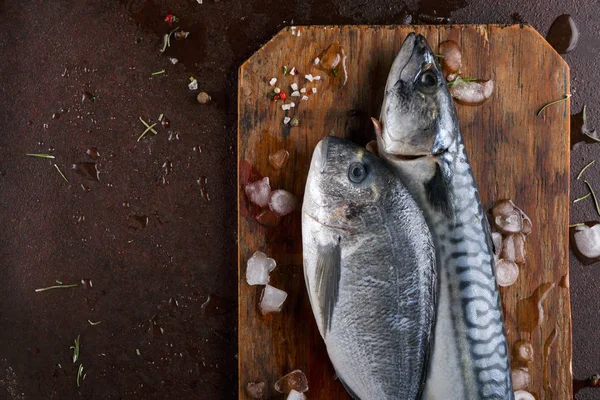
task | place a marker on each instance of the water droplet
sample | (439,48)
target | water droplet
(530,311)
(564,282)
(126,204)
(50,149)
(138,221)
(93,153)
(333,62)
(563,35)
(156,329)
(56,116)
(202,182)
(166,122)
(85,188)
(87,283)
(30,122)
(216,305)
(88,170)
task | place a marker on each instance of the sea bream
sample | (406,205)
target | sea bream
(369,265)
(418,135)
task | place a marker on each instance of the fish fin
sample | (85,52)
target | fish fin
(437,193)
(328,272)
(377,126)
(345,385)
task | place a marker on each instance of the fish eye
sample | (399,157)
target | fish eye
(428,81)
(357,172)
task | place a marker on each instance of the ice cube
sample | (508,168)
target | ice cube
(279,158)
(295,395)
(256,390)
(258,268)
(295,380)
(282,202)
(272,299)
(259,192)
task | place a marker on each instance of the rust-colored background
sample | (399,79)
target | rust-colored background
(149,284)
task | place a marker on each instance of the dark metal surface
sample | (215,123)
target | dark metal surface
(149,284)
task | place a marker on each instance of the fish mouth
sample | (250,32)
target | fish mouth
(338,227)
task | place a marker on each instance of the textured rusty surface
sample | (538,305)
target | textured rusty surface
(41,241)
(529,154)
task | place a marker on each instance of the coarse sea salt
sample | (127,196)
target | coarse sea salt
(314,90)
(286,120)
(273,81)
(304,97)
(309,77)
(294,86)
(293,71)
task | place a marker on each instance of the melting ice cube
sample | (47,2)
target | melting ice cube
(256,390)
(295,380)
(282,202)
(258,192)
(258,268)
(295,395)
(272,299)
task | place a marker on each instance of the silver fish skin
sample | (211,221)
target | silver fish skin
(369,266)
(418,135)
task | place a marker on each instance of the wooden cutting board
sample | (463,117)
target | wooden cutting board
(514,154)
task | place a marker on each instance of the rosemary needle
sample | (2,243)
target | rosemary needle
(584,168)
(553,102)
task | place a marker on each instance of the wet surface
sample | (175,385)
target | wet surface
(77,75)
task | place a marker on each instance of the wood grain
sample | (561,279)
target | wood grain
(514,154)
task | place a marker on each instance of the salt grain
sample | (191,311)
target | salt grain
(309,77)
(285,107)
(273,81)
(304,98)
(293,71)
(272,300)
(294,86)
(292,104)
(317,78)
(193,85)
(286,120)
(303,90)
(296,94)
(314,90)
(317,61)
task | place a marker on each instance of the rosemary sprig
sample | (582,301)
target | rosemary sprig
(61,173)
(40,155)
(584,168)
(567,96)
(582,198)
(167,40)
(457,80)
(75,349)
(594,196)
(149,128)
(56,287)
(79,374)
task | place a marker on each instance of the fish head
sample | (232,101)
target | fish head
(343,183)
(417,116)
